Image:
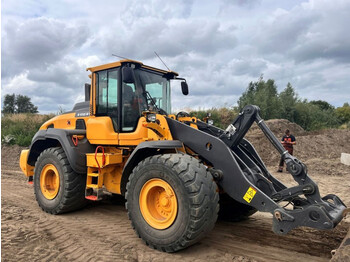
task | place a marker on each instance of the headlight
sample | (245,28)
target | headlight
(151,118)
(210,122)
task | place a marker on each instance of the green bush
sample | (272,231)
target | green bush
(343,113)
(222,117)
(20,128)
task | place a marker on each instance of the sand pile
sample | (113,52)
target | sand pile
(311,147)
(278,127)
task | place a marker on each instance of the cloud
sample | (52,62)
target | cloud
(252,67)
(38,42)
(218,46)
(169,38)
(242,3)
(59,84)
(308,31)
(213,83)
(159,9)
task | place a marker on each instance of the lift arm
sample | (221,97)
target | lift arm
(307,187)
(242,172)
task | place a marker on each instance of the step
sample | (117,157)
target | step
(92,186)
(94,179)
(93,174)
(94,195)
(93,198)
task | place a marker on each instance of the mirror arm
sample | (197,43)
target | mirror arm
(184,85)
(180,78)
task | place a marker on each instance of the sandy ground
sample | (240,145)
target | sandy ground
(102,232)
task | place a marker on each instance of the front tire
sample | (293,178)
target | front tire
(58,189)
(172,201)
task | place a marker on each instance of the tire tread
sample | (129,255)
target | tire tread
(201,190)
(73,197)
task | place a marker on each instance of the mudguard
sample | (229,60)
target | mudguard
(143,151)
(52,137)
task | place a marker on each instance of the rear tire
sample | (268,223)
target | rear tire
(234,211)
(192,194)
(58,189)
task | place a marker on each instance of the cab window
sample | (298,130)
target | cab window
(107,94)
(157,86)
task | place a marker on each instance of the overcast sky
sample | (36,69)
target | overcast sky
(219,46)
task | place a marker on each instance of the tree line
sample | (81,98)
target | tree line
(311,115)
(16,104)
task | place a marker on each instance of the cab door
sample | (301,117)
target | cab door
(102,128)
(133,103)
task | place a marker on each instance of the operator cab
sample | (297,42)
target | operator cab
(125,89)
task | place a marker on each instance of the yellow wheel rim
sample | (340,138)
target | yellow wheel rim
(158,203)
(49,181)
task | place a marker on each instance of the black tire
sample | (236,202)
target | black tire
(234,211)
(71,192)
(197,200)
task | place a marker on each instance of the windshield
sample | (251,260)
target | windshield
(157,86)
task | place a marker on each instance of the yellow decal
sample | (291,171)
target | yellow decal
(249,195)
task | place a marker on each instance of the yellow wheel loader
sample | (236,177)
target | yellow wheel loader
(172,169)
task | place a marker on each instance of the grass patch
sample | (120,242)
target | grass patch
(20,128)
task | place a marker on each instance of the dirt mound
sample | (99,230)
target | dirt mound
(10,156)
(343,252)
(320,150)
(278,127)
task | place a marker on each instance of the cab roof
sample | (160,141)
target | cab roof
(124,61)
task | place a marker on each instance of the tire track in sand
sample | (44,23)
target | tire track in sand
(102,232)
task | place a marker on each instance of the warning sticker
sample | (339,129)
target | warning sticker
(249,195)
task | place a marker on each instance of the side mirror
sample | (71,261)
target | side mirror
(128,75)
(184,88)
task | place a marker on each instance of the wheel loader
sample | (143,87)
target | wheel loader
(176,172)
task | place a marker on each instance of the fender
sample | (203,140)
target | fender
(52,137)
(142,151)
